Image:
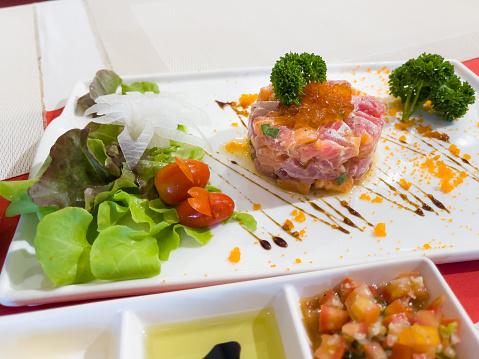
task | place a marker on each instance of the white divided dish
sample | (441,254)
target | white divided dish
(443,235)
(119,328)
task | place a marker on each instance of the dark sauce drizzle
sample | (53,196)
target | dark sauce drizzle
(280,242)
(394,202)
(404,198)
(330,215)
(436,202)
(230,104)
(265,244)
(424,205)
(346,220)
(333,226)
(353,211)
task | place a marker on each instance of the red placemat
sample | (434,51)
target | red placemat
(463,277)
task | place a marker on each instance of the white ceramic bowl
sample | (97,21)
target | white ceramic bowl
(116,328)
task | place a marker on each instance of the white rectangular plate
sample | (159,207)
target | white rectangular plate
(442,235)
(116,328)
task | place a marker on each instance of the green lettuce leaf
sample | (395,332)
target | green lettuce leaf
(139,208)
(168,239)
(109,214)
(95,195)
(201,234)
(61,246)
(140,87)
(170,216)
(107,133)
(72,170)
(245,219)
(121,253)
(17,193)
(105,82)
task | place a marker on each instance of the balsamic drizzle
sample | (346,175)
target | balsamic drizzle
(333,226)
(424,205)
(231,104)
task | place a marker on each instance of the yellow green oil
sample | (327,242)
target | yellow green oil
(256,331)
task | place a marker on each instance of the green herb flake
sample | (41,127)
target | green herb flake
(269,131)
(341,178)
(449,329)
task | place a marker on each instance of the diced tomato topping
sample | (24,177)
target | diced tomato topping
(331,320)
(374,350)
(351,322)
(398,319)
(355,329)
(437,305)
(425,317)
(346,287)
(396,307)
(361,305)
(421,339)
(331,299)
(332,347)
(401,351)
(411,287)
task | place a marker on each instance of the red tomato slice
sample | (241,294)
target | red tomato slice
(200,200)
(222,208)
(196,171)
(221,205)
(173,184)
(183,165)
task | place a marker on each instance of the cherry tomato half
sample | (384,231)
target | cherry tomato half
(175,179)
(222,207)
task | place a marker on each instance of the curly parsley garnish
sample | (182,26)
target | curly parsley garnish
(292,72)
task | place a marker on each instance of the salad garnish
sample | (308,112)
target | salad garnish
(149,120)
(100,214)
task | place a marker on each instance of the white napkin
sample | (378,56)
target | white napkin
(21,119)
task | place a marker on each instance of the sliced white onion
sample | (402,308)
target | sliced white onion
(150,120)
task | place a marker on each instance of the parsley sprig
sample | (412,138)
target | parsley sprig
(292,72)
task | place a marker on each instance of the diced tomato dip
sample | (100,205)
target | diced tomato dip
(393,319)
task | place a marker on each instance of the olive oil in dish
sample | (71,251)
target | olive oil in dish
(256,332)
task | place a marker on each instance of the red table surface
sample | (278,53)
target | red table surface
(462,277)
